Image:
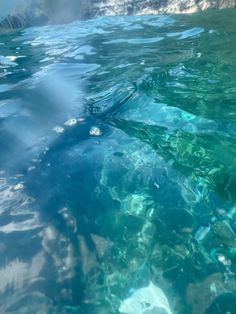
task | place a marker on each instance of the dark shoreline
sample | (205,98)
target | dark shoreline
(66,12)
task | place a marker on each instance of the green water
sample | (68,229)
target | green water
(118,164)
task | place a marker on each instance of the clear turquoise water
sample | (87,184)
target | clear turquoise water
(118,164)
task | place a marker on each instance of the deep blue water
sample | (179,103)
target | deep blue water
(118,164)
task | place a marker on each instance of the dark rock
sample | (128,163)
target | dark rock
(212,295)
(218,235)
(225,303)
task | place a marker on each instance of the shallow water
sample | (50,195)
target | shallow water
(117,164)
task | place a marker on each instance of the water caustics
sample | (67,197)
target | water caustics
(117,166)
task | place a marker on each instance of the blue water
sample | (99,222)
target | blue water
(118,164)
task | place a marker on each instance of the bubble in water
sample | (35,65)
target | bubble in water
(59,129)
(18,187)
(71,122)
(95,131)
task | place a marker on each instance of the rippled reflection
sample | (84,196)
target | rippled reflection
(117,166)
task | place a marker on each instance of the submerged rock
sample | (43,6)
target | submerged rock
(220,234)
(204,296)
(147,300)
(167,261)
(147,234)
(224,233)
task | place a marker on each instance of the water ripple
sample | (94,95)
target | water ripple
(117,164)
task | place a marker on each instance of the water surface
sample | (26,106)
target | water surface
(118,164)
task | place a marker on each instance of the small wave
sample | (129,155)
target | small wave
(110,101)
(193,32)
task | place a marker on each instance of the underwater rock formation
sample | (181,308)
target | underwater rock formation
(150,299)
(31,12)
